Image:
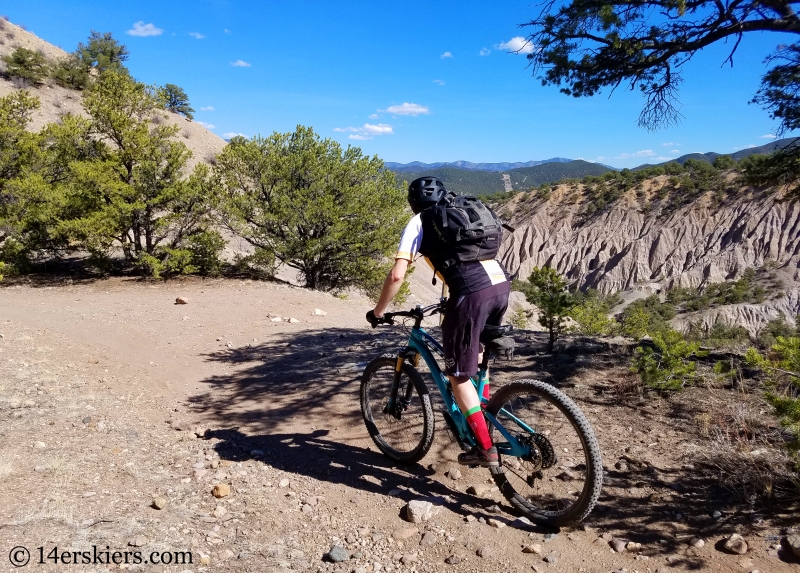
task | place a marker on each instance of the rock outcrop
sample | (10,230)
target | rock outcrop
(640,241)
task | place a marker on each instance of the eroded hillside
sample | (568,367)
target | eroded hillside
(654,236)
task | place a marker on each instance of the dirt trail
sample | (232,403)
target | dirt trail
(105,387)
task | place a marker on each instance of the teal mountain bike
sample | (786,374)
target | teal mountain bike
(550,464)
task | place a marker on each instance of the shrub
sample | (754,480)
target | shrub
(647,316)
(591,312)
(26,64)
(518,318)
(174,99)
(547,289)
(71,72)
(783,382)
(723,162)
(205,247)
(668,366)
(332,214)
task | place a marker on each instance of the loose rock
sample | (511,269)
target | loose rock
(219,511)
(484,551)
(534,548)
(428,539)
(293,320)
(697,542)
(417,511)
(337,554)
(138,541)
(454,474)
(318,312)
(551,558)
(478,490)
(453,560)
(221,490)
(159,502)
(181,300)
(618,544)
(736,544)
(793,541)
(496,523)
(283,483)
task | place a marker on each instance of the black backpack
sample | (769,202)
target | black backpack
(460,229)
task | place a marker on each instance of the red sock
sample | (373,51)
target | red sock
(486,390)
(477,422)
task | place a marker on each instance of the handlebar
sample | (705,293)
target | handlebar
(417,313)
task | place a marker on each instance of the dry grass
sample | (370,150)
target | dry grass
(747,454)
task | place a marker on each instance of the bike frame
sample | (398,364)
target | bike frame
(421,344)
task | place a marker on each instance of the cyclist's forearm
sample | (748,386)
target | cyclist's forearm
(391,286)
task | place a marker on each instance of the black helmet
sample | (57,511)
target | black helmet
(425,192)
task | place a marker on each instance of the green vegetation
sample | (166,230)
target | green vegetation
(174,99)
(668,366)
(547,289)
(715,294)
(102,52)
(27,65)
(332,214)
(109,183)
(647,316)
(782,369)
(591,312)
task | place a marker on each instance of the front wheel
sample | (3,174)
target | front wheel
(560,481)
(403,431)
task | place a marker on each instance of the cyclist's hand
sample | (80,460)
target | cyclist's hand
(372,319)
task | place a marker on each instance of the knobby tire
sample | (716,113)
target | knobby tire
(407,440)
(558,508)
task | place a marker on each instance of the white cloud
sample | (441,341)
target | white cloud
(232,134)
(240,64)
(367,131)
(738,148)
(642,153)
(517,44)
(484,52)
(142,29)
(206,125)
(670,144)
(675,151)
(407,109)
(446,55)
(227,31)
(374,115)
(768,136)
(439,82)
(207,108)
(664,158)
(196,35)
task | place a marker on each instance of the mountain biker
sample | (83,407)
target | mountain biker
(478,296)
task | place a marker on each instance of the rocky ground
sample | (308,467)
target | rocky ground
(132,423)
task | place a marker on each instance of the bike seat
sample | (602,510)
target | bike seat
(492,332)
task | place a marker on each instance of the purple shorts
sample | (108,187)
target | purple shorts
(464,319)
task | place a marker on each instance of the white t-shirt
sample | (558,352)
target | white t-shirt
(411,241)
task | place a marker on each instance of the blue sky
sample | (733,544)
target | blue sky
(404,80)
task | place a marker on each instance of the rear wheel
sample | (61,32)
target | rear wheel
(560,481)
(403,432)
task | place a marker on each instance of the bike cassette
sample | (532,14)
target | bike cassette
(548,454)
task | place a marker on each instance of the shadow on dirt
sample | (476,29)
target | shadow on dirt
(309,381)
(316,456)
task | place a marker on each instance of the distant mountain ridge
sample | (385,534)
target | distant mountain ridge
(770,147)
(417,166)
(481,182)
